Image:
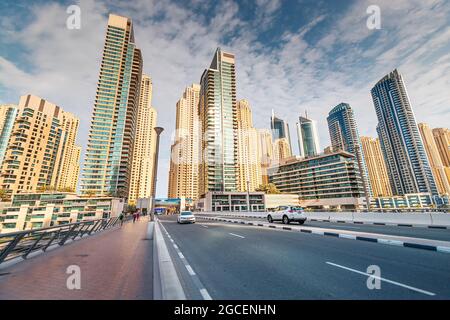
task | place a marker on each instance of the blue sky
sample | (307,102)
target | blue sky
(291,56)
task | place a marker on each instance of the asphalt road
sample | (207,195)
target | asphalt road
(416,232)
(244,262)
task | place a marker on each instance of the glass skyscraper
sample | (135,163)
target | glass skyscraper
(280,130)
(107,167)
(345,137)
(308,138)
(401,143)
(218,118)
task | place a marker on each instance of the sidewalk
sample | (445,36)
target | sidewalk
(115,264)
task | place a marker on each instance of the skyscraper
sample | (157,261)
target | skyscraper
(280,130)
(185,151)
(403,150)
(107,167)
(141,181)
(308,138)
(434,158)
(345,137)
(249,162)
(8,113)
(378,176)
(41,148)
(281,149)
(442,138)
(217,111)
(265,149)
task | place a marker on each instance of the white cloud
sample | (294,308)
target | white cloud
(178,43)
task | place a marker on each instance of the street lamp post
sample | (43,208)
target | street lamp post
(158,130)
(248,197)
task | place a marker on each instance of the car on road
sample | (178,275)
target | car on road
(186,217)
(287,214)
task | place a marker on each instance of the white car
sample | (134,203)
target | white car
(186,217)
(287,214)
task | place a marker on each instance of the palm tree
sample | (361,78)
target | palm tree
(268,188)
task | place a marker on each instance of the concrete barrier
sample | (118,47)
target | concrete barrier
(440,219)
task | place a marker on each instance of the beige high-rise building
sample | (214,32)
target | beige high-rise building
(186,149)
(144,147)
(378,176)
(434,158)
(442,138)
(282,149)
(249,162)
(37,155)
(108,160)
(265,148)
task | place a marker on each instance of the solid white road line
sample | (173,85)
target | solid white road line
(236,235)
(204,226)
(190,270)
(383,279)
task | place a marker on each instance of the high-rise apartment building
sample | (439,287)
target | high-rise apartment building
(218,118)
(107,167)
(249,162)
(265,148)
(405,157)
(442,138)
(186,148)
(41,148)
(345,137)
(308,138)
(434,159)
(378,176)
(144,147)
(8,113)
(280,130)
(281,149)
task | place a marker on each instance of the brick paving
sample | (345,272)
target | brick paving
(114,264)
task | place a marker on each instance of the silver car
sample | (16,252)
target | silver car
(186,217)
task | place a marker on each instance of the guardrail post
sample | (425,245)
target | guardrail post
(94,226)
(52,239)
(78,232)
(25,255)
(61,243)
(10,246)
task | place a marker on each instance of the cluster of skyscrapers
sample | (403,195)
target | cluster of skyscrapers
(217,149)
(37,138)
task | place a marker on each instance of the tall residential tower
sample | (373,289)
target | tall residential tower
(403,150)
(218,118)
(308,138)
(107,167)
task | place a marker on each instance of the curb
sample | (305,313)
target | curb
(343,235)
(166,284)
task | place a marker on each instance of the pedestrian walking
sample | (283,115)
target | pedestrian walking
(121,216)
(134,217)
(138,213)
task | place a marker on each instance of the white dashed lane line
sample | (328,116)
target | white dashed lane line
(236,235)
(189,269)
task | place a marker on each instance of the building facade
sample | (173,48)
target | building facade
(186,148)
(107,167)
(331,180)
(344,136)
(42,210)
(405,157)
(40,152)
(434,158)
(265,149)
(8,113)
(378,176)
(249,163)
(442,138)
(218,118)
(280,130)
(308,138)
(144,147)
(281,149)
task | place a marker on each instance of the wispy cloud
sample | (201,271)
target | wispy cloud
(330,57)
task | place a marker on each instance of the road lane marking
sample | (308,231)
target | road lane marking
(236,235)
(383,279)
(205,294)
(190,270)
(204,226)
(180,255)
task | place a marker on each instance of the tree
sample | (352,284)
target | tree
(268,188)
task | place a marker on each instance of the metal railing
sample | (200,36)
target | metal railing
(23,243)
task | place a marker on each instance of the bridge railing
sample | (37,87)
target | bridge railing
(22,243)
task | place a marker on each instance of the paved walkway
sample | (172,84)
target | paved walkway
(114,264)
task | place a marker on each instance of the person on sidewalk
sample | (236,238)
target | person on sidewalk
(121,218)
(134,217)
(138,213)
